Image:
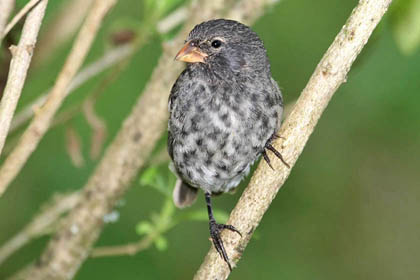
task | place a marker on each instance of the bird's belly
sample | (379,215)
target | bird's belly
(214,152)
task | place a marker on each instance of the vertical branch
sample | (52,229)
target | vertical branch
(330,73)
(21,58)
(42,120)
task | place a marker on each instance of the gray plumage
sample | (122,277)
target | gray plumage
(223,111)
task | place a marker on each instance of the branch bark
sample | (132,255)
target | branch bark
(21,58)
(330,73)
(40,124)
(6,8)
(18,17)
(124,157)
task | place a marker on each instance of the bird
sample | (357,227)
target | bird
(224,111)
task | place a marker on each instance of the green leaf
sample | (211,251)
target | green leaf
(161,243)
(405,19)
(148,177)
(161,184)
(149,6)
(159,178)
(144,228)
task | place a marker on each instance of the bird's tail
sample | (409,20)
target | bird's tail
(184,195)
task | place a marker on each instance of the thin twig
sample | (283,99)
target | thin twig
(21,58)
(330,73)
(6,8)
(173,19)
(64,24)
(132,146)
(42,120)
(161,224)
(97,124)
(74,146)
(249,11)
(41,224)
(18,16)
(129,249)
(109,59)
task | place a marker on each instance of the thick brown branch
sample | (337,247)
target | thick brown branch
(21,58)
(330,73)
(40,124)
(127,153)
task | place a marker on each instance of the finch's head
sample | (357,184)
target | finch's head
(224,43)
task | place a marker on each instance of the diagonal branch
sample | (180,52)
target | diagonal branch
(63,25)
(109,59)
(124,157)
(42,120)
(21,58)
(330,73)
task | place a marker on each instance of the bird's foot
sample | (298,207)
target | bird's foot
(215,231)
(270,147)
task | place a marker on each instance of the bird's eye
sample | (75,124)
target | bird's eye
(216,43)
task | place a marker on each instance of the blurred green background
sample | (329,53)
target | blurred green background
(350,208)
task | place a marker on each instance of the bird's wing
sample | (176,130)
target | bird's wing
(175,91)
(170,145)
(279,101)
(171,101)
(277,91)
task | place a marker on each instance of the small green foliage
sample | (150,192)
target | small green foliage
(158,178)
(405,19)
(144,227)
(149,176)
(161,243)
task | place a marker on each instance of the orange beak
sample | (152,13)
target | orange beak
(190,53)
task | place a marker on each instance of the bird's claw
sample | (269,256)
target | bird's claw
(270,147)
(215,231)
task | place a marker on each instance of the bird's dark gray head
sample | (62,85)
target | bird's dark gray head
(225,43)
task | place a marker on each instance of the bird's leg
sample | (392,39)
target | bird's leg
(267,159)
(216,230)
(270,147)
